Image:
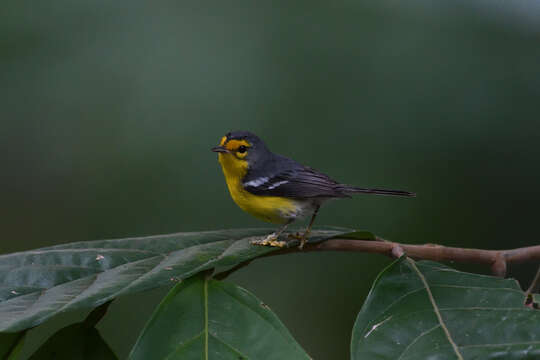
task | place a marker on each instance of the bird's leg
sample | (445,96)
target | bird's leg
(304,236)
(272,239)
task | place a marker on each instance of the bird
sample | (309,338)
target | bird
(277,189)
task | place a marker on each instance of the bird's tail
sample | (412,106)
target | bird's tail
(356,190)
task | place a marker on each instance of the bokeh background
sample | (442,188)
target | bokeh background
(109,109)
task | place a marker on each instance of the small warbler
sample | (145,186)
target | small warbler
(276,189)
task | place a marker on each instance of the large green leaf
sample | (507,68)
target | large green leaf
(35,285)
(428,310)
(203,318)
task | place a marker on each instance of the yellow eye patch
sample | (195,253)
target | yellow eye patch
(233,145)
(223,140)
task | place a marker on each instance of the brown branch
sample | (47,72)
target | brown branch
(497,259)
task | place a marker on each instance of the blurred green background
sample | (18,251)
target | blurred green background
(109,110)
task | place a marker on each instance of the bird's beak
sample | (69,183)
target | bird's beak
(220,149)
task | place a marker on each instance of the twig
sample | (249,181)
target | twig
(535,283)
(529,300)
(497,259)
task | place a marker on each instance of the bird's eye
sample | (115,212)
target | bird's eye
(242,149)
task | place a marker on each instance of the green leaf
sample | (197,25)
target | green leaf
(428,310)
(10,344)
(76,341)
(203,318)
(37,284)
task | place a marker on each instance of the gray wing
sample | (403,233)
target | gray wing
(298,182)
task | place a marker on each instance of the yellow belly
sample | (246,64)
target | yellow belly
(273,209)
(268,208)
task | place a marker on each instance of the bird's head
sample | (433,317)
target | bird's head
(238,150)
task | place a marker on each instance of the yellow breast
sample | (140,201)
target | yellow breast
(273,209)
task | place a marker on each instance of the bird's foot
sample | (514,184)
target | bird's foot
(270,240)
(300,237)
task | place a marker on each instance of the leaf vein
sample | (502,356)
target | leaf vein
(435,308)
(183,345)
(236,351)
(418,338)
(502,344)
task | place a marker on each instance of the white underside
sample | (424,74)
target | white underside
(304,208)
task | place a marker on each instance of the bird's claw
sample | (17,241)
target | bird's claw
(270,240)
(300,237)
